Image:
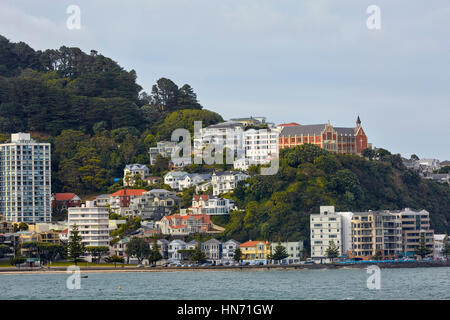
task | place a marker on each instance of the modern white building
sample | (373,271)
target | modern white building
(25,180)
(227,135)
(438,246)
(163,148)
(346,231)
(92,223)
(261,145)
(293,248)
(325,227)
(224,182)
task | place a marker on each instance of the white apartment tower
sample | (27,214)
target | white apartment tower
(92,223)
(25,180)
(325,227)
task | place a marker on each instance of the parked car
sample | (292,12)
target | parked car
(140,266)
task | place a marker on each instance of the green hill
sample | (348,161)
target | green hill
(98,119)
(92,111)
(280,205)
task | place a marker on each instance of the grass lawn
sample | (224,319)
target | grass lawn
(5,264)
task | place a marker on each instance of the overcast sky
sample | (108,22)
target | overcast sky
(307,61)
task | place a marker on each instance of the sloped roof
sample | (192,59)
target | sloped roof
(204,197)
(226,124)
(65,196)
(252,243)
(136,166)
(343,131)
(311,129)
(290,124)
(128,192)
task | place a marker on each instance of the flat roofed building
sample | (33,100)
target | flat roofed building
(414,223)
(25,180)
(325,227)
(376,233)
(92,223)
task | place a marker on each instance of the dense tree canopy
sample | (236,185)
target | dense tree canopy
(93,112)
(309,177)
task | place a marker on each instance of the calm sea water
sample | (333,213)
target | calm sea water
(417,283)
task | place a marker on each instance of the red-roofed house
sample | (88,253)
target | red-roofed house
(65,200)
(64,235)
(177,224)
(123,197)
(257,251)
(211,205)
(290,124)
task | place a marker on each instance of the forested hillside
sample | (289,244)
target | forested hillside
(309,177)
(92,111)
(98,119)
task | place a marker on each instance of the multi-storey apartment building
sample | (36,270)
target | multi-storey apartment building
(414,223)
(261,145)
(325,227)
(163,148)
(333,139)
(25,180)
(92,223)
(293,248)
(376,233)
(224,182)
(225,135)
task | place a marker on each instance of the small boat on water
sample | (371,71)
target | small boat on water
(84,276)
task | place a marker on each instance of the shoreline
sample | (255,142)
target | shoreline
(63,270)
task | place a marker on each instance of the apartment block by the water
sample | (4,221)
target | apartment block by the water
(325,227)
(92,223)
(25,180)
(414,223)
(376,233)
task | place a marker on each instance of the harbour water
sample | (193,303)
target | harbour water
(408,283)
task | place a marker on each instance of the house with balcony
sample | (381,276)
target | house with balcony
(186,224)
(154,204)
(211,205)
(228,249)
(163,149)
(173,250)
(119,201)
(133,171)
(256,251)
(213,250)
(226,181)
